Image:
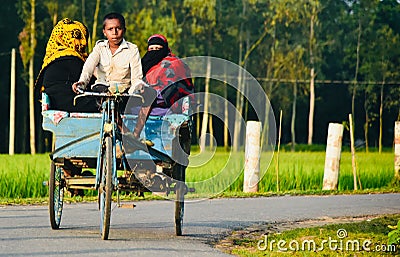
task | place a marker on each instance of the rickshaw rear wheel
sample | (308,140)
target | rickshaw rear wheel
(105,190)
(180,191)
(180,151)
(56,195)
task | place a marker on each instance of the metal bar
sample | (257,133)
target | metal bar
(80,180)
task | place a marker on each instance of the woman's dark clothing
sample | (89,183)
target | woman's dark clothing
(58,78)
(151,58)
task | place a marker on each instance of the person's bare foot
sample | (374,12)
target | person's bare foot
(119,151)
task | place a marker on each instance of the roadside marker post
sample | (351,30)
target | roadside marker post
(332,159)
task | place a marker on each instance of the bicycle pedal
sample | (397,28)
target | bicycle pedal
(147,142)
(127,206)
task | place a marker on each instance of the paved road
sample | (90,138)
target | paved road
(148,229)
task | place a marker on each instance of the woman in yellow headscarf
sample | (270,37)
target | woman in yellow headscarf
(62,66)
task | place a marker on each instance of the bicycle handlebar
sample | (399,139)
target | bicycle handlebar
(83,93)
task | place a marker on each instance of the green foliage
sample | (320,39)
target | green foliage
(172,19)
(273,36)
(24,10)
(394,235)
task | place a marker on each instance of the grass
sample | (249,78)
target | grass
(22,176)
(298,172)
(365,238)
(221,174)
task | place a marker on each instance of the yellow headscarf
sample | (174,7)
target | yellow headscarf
(68,38)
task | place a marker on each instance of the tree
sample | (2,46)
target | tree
(240,89)
(293,67)
(313,16)
(287,20)
(27,50)
(94,30)
(203,23)
(347,34)
(379,67)
(362,17)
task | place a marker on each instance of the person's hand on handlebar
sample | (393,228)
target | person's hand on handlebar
(138,88)
(78,87)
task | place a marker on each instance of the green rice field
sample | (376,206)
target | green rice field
(302,172)
(22,176)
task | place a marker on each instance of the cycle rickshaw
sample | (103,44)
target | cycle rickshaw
(91,140)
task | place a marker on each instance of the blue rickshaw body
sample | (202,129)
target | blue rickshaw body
(77,135)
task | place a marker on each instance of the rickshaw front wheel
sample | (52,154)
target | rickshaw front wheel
(106,189)
(56,195)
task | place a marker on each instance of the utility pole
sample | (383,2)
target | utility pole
(12,105)
(31,80)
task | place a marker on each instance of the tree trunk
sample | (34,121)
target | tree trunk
(198,122)
(353,97)
(239,97)
(83,10)
(311,113)
(278,150)
(366,125)
(312,87)
(204,123)
(210,126)
(381,119)
(31,80)
(245,88)
(397,151)
(52,9)
(226,113)
(55,14)
(96,14)
(268,91)
(353,152)
(293,121)
(211,129)
(238,116)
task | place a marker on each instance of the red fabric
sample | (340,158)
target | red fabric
(158,36)
(166,73)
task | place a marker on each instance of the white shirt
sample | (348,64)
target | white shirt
(123,67)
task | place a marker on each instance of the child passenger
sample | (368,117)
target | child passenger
(117,61)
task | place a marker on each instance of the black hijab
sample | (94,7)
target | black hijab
(153,57)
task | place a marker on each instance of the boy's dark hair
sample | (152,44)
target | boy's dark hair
(114,15)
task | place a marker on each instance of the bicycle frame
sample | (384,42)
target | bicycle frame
(108,128)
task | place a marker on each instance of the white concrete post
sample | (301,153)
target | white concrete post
(252,157)
(332,159)
(397,150)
